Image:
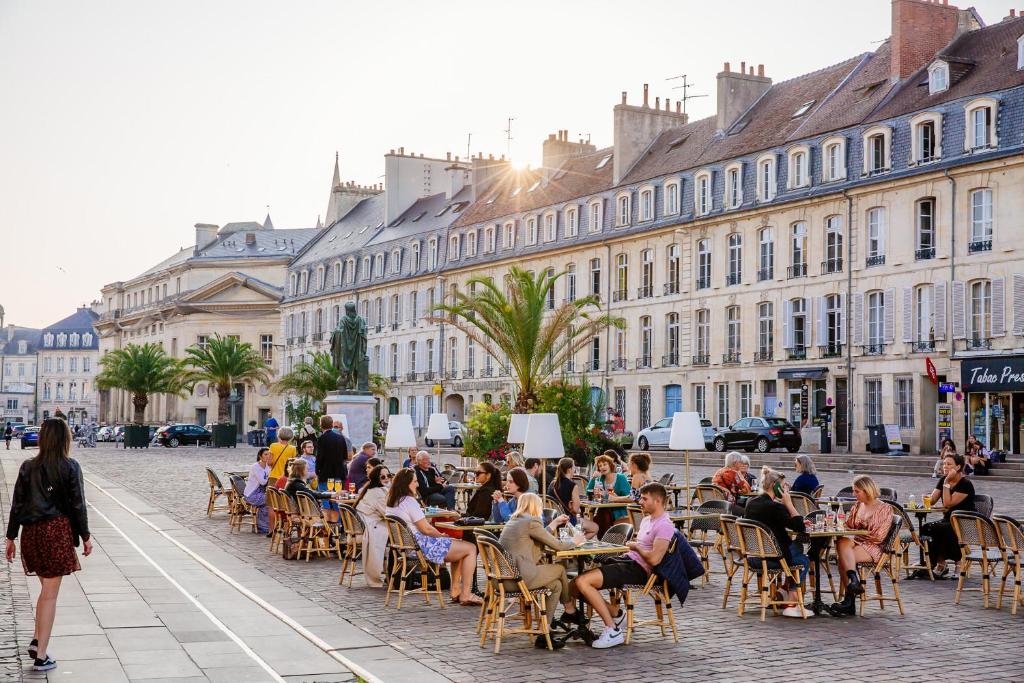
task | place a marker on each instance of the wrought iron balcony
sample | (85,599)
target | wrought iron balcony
(643,362)
(733,279)
(570,366)
(925,254)
(468,374)
(702,359)
(799,353)
(452,374)
(620,295)
(765,274)
(671,288)
(616,364)
(924,346)
(393,377)
(429,376)
(831,265)
(703,282)
(731,358)
(763,356)
(872,261)
(796,270)
(979,245)
(394,326)
(378,327)
(316,336)
(487,372)
(670,360)
(873,349)
(412,377)
(832,350)
(978,344)
(645,292)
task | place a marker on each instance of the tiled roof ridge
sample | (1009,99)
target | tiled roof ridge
(858,58)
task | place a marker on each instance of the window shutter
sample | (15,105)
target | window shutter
(908,314)
(858,319)
(1018,303)
(401,308)
(939,302)
(998,306)
(842,318)
(413,302)
(890,315)
(787,326)
(819,323)
(419,411)
(959,318)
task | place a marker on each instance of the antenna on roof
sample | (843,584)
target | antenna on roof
(508,138)
(684,87)
(469,140)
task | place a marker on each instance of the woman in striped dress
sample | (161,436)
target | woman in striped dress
(873,515)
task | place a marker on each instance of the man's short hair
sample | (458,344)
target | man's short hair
(326,422)
(531,463)
(369,444)
(655,490)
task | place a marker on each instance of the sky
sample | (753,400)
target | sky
(125,123)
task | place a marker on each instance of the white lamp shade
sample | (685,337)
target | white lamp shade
(687,433)
(543,437)
(400,433)
(437,428)
(343,419)
(517,428)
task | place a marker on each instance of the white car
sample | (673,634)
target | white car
(456,439)
(657,435)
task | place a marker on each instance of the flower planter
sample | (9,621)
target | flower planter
(136,436)
(224,436)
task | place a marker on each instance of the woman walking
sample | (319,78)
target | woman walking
(49,506)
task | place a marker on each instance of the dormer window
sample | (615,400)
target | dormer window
(799,173)
(981,117)
(471,238)
(531,231)
(378,265)
(453,248)
(877,145)
(596,216)
(549,227)
(766,178)
(647,204)
(572,221)
(672,198)
(733,186)
(622,210)
(396,261)
(490,242)
(366,267)
(833,159)
(702,193)
(938,78)
(926,143)
(510,235)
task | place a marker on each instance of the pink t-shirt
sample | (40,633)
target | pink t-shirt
(652,529)
(409,510)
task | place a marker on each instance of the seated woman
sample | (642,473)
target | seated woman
(873,515)
(564,490)
(775,509)
(956,492)
(370,505)
(298,480)
(639,474)
(438,548)
(807,475)
(525,538)
(489,478)
(730,477)
(947,448)
(256,490)
(617,487)
(976,456)
(516,484)
(744,470)
(616,459)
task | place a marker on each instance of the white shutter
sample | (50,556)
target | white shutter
(819,320)
(401,307)
(842,318)
(413,302)
(939,302)
(858,319)
(787,326)
(959,315)
(419,412)
(908,315)
(998,306)
(890,315)
(1018,303)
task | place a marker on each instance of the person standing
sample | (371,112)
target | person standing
(271,427)
(48,506)
(8,435)
(280,453)
(332,450)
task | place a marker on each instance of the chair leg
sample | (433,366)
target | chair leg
(543,625)
(671,619)
(984,579)
(627,599)
(896,591)
(762,585)
(878,590)
(744,589)
(960,582)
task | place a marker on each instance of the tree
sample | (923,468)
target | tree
(514,322)
(311,378)
(223,362)
(142,371)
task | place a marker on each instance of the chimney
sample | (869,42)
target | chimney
(250,239)
(920,29)
(635,127)
(484,172)
(737,90)
(206,234)
(557,148)
(458,176)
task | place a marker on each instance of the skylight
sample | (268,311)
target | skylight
(442,211)
(516,191)
(803,108)
(676,143)
(422,214)
(533,187)
(604,161)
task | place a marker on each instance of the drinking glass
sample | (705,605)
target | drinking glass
(927,501)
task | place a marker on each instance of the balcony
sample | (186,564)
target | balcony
(876,349)
(643,362)
(468,374)
(671,288)
(703,282)
(872,261)
(978,344)
(796,270)
(429,376)
(594,366)
(616,364)
(412,377)
(702,359)
(393,378)
(487,372)
(764,356)
(731,358)
(976,246)
(378,327)
(765,274)
(831,350)
(394,326)
(620,295)
(645,292)
(670,361)
(502,371)
(831,265)
(733,279)
(798,353)
(569,367)
(452,374)
(925,254)
(316,336)
(301,339)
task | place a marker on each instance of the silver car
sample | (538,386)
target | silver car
(657,435)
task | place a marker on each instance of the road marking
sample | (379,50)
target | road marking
(202,608)
(323,645)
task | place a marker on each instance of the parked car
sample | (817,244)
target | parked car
(760,434)
(456,430)
(30,437)
(709,433)
(105,434)
(119,433)
(176,435)
(655,436)
(17,429)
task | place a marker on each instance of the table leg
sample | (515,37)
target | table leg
(817,606)
(920,530)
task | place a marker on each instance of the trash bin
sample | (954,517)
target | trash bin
(826,428)
(877,443)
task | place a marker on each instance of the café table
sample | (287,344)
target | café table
(591,548)
(452,526)
(675,490)
(817,606)
(590,507)
(921,513)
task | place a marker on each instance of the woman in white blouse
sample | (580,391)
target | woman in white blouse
(370,505)
(256,489)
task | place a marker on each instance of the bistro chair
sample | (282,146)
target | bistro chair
(406,559)
(550,502)
(487,588)
(845,492)
(732,553)
(983,504)
(216,491)
(506,588)
(619,534)
(1011,541)
(706,480)
(889,495)
(240,507)
(803,503)
(979,543)
(704,532)
(658,589)
(285,521)
(766,561)
(702,493)
(908,539)
(353,528)
(818,491)
(889,563)
(314,534)
(636,515)
(666,479)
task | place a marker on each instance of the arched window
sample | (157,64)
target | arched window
(646,274)
(671,340)
(702,199)
(765,254)
(621,292)
(647,204)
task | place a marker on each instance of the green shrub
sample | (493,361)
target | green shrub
(486,428)
(579,417)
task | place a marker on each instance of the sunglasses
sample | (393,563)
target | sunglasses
(478,473)
(385,477)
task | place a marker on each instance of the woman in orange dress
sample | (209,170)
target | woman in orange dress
(873,515)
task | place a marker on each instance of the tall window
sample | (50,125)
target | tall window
(923,315)
(531,231)
(766,180)
(621,278)
(646,342)
(834,163)
(703,264)
(430,356)
(378,265)
(595,353)
(702,196)
(622,214)
(395,362)
(700,400)
(671,198)
(876,236)
(905,402)
(510,235)
(645,407)
(647,273)
(735,259)
(876,156)
(572,222)
(733,187)
(412,356)
(799,322)
(833,244)
(595,277)
(396,311)
(872,402)
(981,311)
(876,320)
(746,399)
(732,333)
(926,144)
(570,282)
(981,219)
(722,398)
(765,330)
(549,227)
(833,324)
(646,205)
(672,339)
(620,350)
(550,297)
(798,169)
(980,120)
(672,285)
(470,356)
(432,254)
(799,250)
(595,217)
(453,356)
(766,254)
(703,330)
(925,233)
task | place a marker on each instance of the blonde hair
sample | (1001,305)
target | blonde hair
(285,434)
(868,486)
(515,459)
(529,505)
(769,478)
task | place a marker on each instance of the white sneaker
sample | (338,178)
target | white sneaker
(620,620)
(610,637)
(793,611)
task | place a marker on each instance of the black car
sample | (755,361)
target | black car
(760,434)
(173,436)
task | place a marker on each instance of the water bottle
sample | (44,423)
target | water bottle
(841,521)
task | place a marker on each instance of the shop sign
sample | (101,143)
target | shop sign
(947,387)
(943,423)
(932,374)
(993,374)
(804,401)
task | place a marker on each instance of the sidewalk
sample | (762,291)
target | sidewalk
(124,619)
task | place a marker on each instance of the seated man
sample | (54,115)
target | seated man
(532,467)
(433,489)
(652,542)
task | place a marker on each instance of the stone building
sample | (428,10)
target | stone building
(18,373)
(66,368)
(842,238)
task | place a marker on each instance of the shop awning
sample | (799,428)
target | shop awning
(802,373)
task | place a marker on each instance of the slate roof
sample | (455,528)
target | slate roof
(9,346)
(80,320)
(348,234)
(422,217)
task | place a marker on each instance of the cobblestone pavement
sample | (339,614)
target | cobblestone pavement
(930,641)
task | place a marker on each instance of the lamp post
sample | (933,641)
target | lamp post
(687,434)
(543,441)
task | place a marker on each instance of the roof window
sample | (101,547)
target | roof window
(422,214)
(675,144)
(803,108)
(533,187)
(604,161)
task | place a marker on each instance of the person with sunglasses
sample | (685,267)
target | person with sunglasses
(489,478)
(370,505)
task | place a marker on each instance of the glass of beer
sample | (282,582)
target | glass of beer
(351,487)
(927,498)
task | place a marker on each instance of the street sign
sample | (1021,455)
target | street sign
(437,389)
(947,387)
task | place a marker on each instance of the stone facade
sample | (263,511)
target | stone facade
(67,366)
(18,373)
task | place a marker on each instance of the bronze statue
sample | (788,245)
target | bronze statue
(348,351)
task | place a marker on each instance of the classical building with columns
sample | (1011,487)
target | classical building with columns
(844,238)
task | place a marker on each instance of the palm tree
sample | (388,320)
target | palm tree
(311,378)
(516,323)
(222,362)
(142,371)
(380,386)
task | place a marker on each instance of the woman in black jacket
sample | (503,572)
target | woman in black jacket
(49,507)
(489,478)
(297,482)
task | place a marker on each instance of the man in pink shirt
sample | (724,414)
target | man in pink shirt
(646,551)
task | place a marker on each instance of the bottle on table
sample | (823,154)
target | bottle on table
(841,521)
(912,502)
(599,491)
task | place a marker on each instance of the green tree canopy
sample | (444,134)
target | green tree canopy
(223,362)
(142,371)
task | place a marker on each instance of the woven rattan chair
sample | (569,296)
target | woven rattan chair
(406,558)
(284,521)
(818,491)
(552,503)
(353,529)
(702,493)
(732,553)
(314,534)
(216,491)
(845,492)
(657,588)
(1011,541)
(803,503)
(888,494)
(241,509)
(765,560)
(908,539)
(888,563)
(704,533)
(636,515)
(666,478)
(979,543)
(507,588)
(983,504)
(619,534)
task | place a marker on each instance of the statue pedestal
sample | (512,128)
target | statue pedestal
(358,410)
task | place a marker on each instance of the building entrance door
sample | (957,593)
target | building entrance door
(795,414)
(841,426)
